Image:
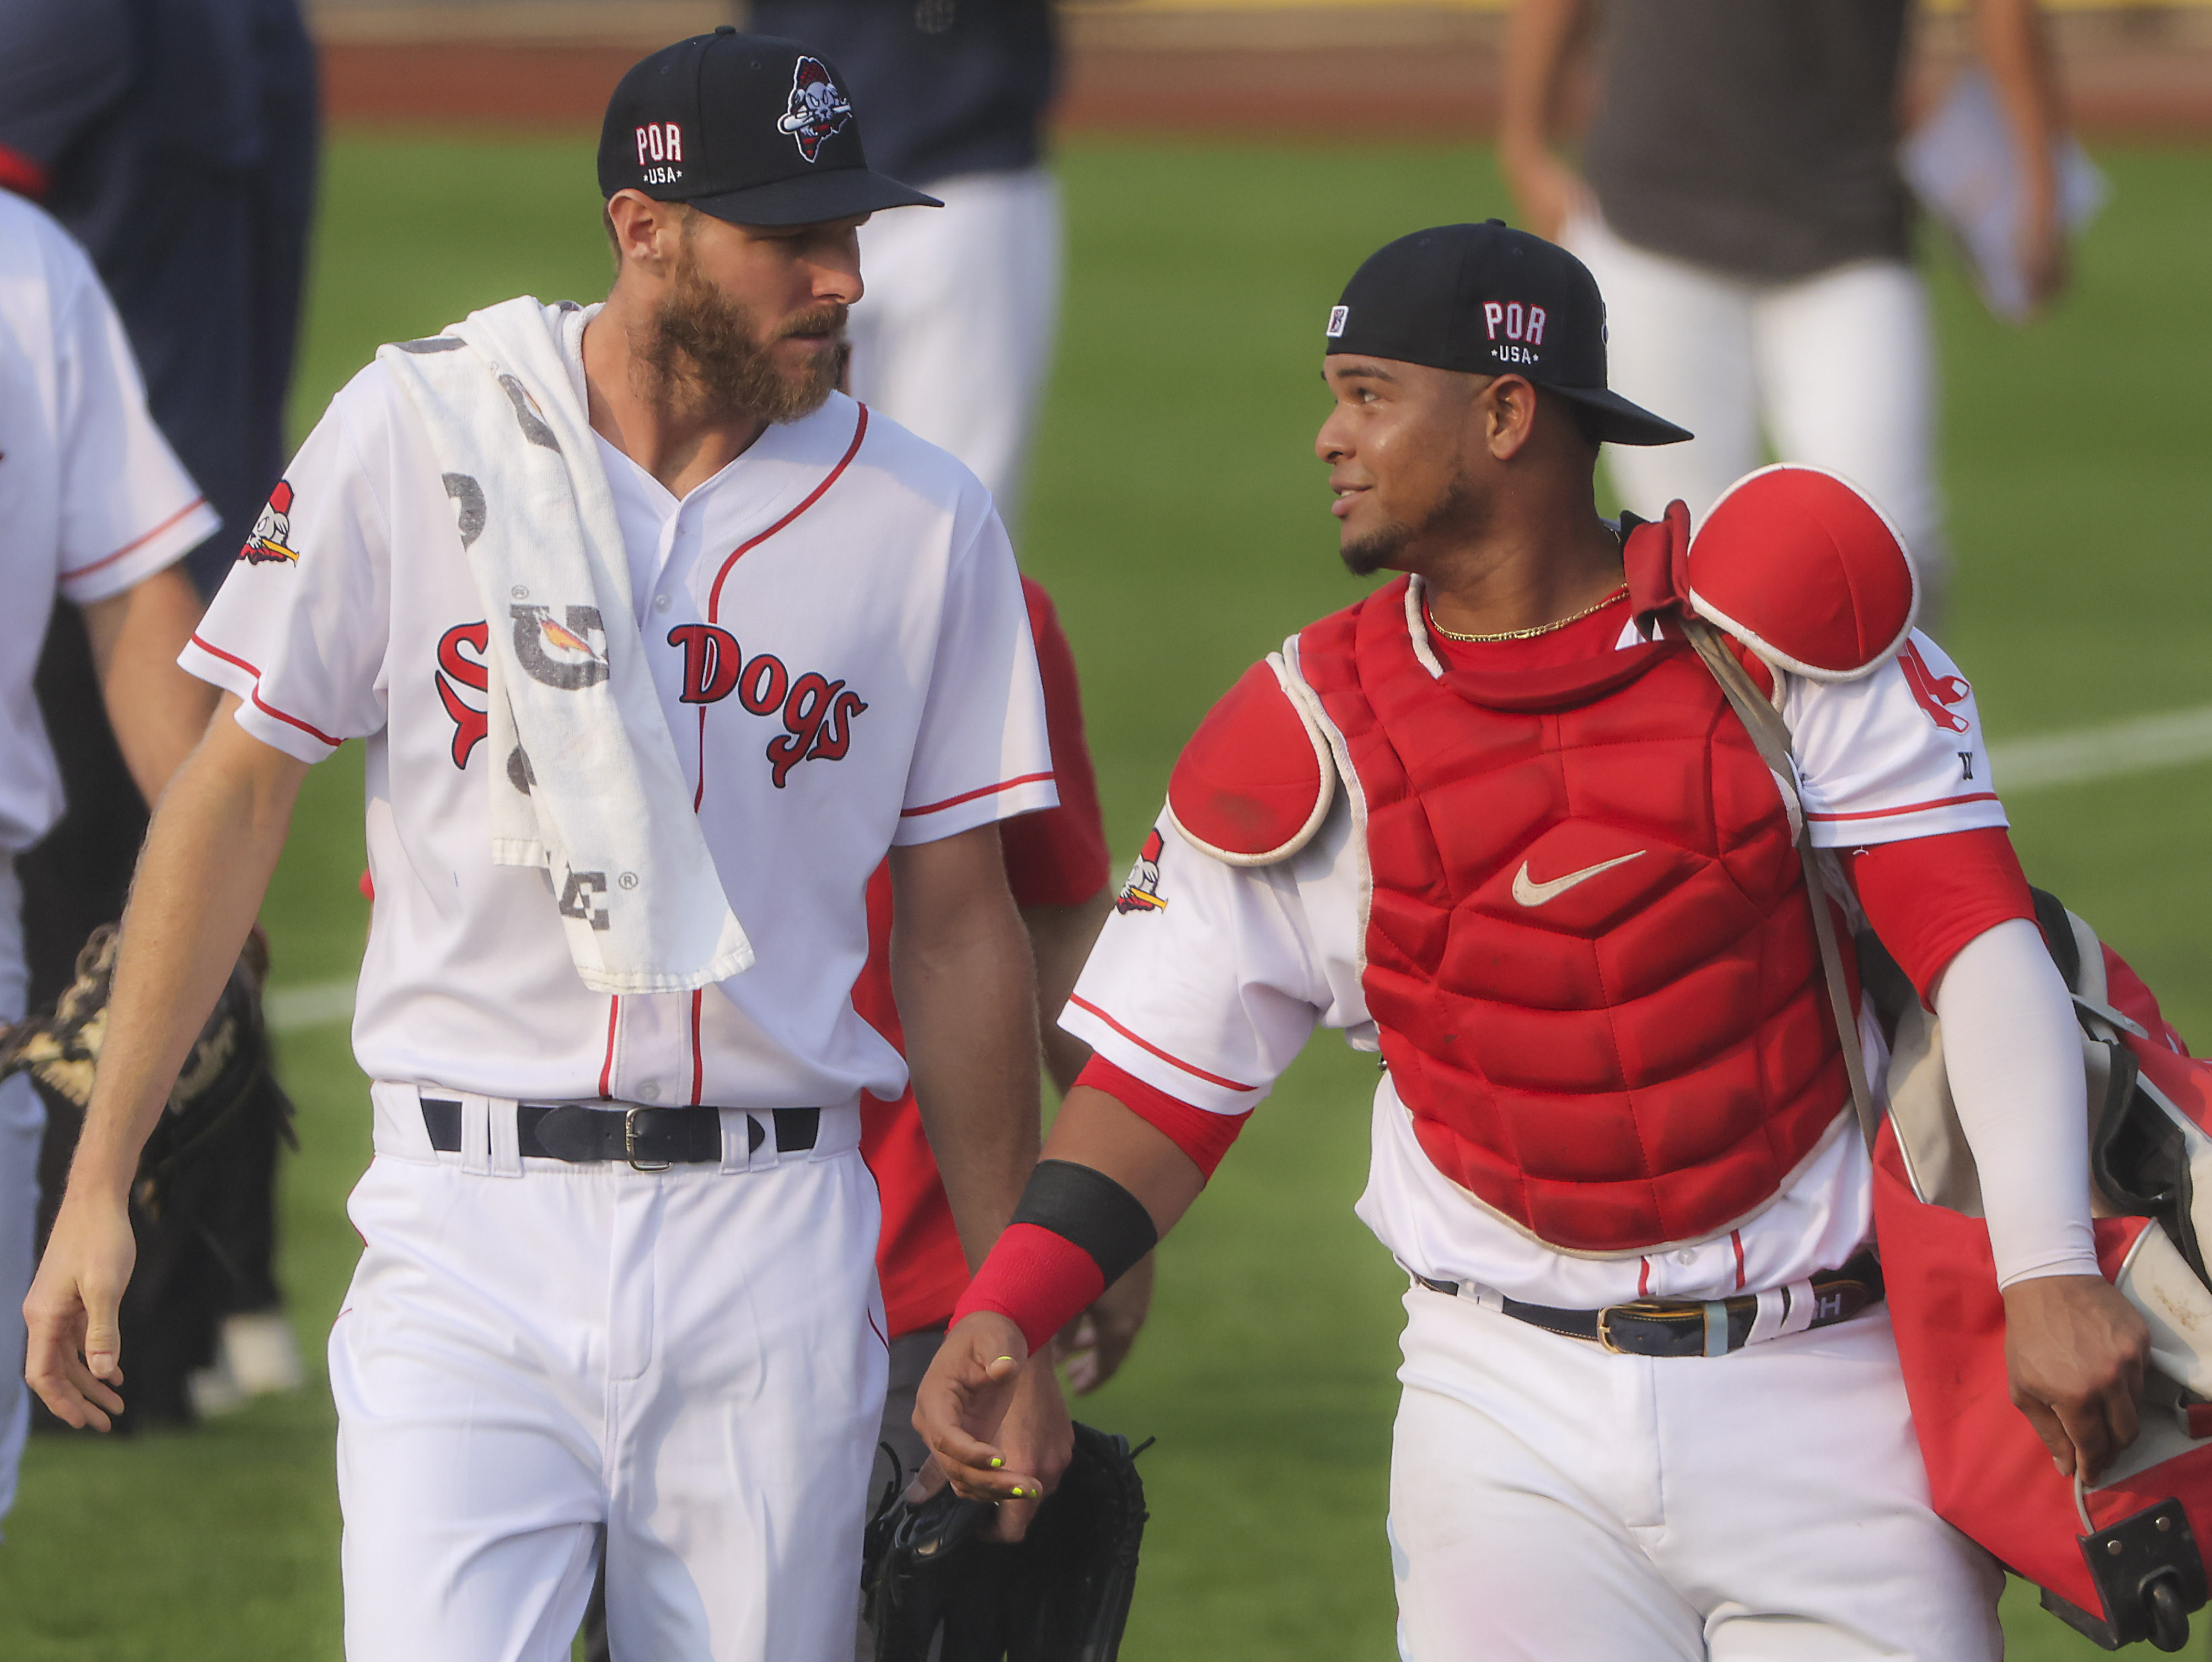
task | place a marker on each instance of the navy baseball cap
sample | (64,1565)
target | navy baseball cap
(745,127)
(1496,302)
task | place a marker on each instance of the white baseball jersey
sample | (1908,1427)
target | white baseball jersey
(92,499)
(835,628)
(1210,994)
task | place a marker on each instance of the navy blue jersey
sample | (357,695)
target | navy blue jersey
(941,87)
(176,140)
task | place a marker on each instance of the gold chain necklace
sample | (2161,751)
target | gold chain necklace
(1619,594)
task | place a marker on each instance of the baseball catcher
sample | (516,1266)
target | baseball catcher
(1565,825)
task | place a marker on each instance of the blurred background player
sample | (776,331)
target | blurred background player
(92,506)
(955,338)
(1741,205)
(177,141)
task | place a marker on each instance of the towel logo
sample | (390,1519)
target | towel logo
(272,532)
(1141,893)
(818,713)
(816,109)
(558,655)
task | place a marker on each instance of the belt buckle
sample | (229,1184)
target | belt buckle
(1605,1331)
(629,1143)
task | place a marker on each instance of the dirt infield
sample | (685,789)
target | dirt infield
(2118,85)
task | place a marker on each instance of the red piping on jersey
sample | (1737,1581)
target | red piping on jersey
(1147,1044)
(260,703)
(1910,807)
(697,1059)
(19,174)
(607,1067)
(1644,1277)
(714,594)
(1736,1240)
(981,790)
(136,543)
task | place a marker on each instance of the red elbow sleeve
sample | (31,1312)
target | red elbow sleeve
(1199,1132)
(1038,1280)
(1927,897)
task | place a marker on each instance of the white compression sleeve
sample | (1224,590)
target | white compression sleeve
(2014,1052)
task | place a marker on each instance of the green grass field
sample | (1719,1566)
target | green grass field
(1178,517)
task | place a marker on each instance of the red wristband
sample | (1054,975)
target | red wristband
(1037,1280)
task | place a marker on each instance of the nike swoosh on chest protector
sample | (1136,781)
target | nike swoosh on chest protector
(1536,894)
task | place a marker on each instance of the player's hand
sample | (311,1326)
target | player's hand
(1551,195)
(962,1400)
(2075,1354)
(2043,253)
(1036,1438)
(1096,1343)
(75,1358)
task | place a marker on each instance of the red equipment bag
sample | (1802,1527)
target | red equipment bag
(2119,1561)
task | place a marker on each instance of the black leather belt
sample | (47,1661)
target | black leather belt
(647,1138)
(1691,1327)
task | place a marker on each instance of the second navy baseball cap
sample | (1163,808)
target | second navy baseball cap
(745,127)
(1495,302)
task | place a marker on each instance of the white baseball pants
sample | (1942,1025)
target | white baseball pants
(22,1125)
(685,1364)
(953,338)
(1837,370)
(1551,1502)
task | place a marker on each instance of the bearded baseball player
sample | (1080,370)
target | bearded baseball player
(1500,825)
(658,646)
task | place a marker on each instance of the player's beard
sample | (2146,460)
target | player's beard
(707,352)
(1364,557)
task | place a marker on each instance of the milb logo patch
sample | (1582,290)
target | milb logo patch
(270,542)
(1141,893)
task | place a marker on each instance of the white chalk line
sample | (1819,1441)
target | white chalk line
(2138,745)
(317,1004)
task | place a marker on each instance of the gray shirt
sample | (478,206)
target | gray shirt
(1755,136)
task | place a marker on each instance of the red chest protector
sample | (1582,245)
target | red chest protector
(1587,946)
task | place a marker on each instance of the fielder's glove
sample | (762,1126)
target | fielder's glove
(59,1049)
(1060,1594)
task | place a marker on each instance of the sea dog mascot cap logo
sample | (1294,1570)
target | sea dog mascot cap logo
(272,533)
(818,109)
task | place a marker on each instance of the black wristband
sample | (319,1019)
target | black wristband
(1083,1205)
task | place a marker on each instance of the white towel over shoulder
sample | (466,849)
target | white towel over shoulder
(584,778)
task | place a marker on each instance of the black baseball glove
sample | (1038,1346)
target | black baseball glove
(1061,1594)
